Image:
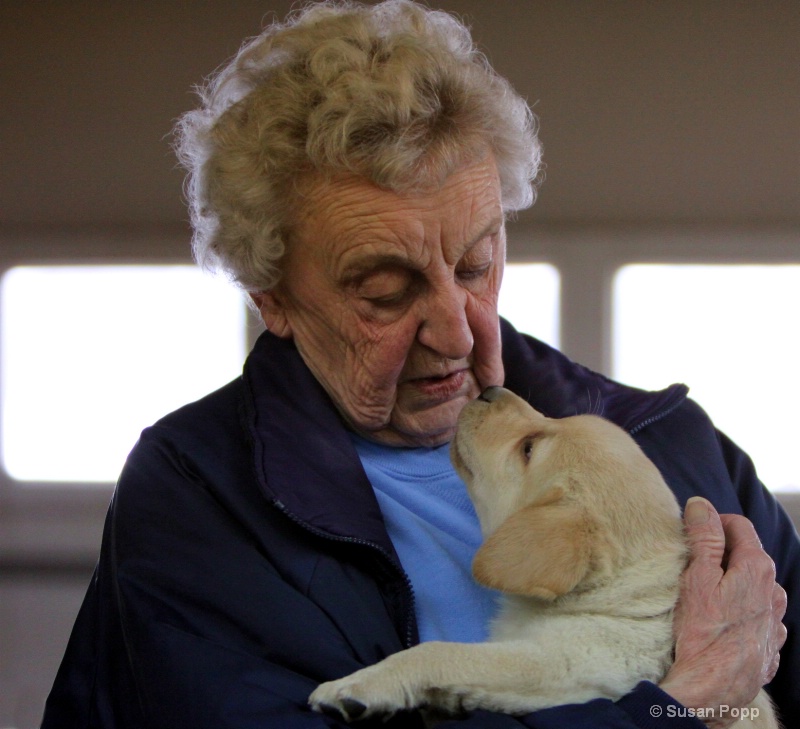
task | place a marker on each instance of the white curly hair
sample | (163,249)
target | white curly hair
(393,92)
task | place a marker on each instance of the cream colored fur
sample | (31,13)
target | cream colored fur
(585,541)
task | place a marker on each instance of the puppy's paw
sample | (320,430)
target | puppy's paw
(367,693)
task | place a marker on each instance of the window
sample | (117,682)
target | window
(731,332)
(611,276)
(93,354)
(530,300)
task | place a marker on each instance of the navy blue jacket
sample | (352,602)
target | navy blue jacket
(245,559)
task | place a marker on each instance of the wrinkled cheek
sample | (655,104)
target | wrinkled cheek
(373,369)
(329,353)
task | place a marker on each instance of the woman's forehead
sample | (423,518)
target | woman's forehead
(353,219)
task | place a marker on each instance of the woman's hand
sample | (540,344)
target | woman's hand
(728,626)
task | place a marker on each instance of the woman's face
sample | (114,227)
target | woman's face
(392,300)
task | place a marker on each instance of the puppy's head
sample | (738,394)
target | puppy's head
(562,503)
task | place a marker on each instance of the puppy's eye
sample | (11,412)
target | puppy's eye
(527,449)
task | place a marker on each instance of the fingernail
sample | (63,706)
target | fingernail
(696,511)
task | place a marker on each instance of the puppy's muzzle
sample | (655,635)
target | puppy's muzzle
(490,394)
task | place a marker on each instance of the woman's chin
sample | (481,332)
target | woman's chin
(430,427)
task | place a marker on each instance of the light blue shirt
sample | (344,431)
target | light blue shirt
(435,531)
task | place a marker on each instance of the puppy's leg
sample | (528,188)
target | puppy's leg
(509,677)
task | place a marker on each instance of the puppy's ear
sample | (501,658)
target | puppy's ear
(540,551)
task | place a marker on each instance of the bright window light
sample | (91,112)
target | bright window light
(93,354)
(530,299)
(730,332)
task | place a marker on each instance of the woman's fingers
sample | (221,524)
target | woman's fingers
(728,626)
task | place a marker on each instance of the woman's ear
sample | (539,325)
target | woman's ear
(273,312)
(540,551)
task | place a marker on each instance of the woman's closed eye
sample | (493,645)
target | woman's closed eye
(474,274)
(385,288)
(477,261)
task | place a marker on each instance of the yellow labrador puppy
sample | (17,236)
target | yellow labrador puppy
(585,541)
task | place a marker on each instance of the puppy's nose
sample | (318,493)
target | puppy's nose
(490,394)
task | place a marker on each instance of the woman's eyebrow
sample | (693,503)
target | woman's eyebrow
(494,226)
(364,265)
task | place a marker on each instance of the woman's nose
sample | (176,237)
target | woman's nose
(445,328)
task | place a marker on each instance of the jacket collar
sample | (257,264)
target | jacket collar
(306,463)
(559,387)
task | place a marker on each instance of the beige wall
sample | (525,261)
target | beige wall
(652,113)
(685,110)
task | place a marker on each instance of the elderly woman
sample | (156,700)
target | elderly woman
(351,170)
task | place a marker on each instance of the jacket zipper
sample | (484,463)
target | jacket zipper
(655,418)
(408,639)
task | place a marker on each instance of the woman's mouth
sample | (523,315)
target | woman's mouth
(441,387)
